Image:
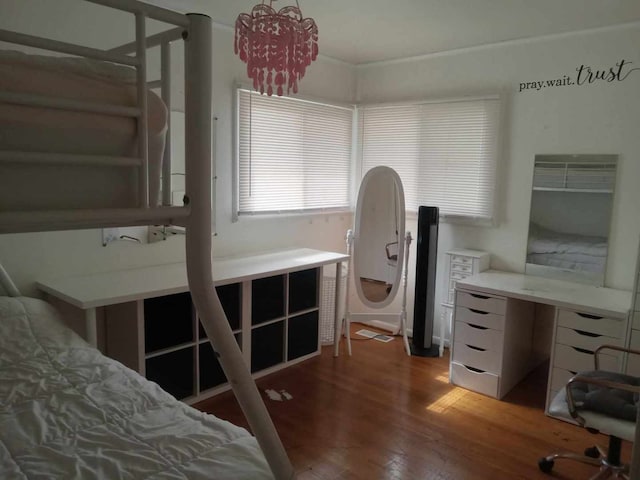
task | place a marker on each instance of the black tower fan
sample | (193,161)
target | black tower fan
(425,283)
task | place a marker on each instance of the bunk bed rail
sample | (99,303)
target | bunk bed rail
(144,212)
(195,216)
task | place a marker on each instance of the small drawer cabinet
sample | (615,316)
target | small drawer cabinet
(577,335)
(459,264)
(487,350)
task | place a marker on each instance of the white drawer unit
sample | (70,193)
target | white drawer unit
(610,327)
(578,359)
(633,361)
(578,334)
(479,336)
(475,379)
(459,264)
(481,302)
(586,340)
(486,348)
(559,378)
(506,324)
(487,360)
(479,318)
(635,321)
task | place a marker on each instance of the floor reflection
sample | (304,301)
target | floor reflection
(374,290)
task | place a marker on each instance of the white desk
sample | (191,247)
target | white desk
(504,323)
(559,293)
(109,288)
(147,320)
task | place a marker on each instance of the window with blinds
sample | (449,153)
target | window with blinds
(445,152)
(293,155)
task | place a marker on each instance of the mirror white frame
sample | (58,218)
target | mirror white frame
(365,196)
(369,198)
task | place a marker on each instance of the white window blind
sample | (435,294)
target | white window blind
(293,155)
(445,152)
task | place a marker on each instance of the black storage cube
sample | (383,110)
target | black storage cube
(211,374)
(168,321)
(303,335)
(173,371)
(267,299)
(231,300)
(267,346)
(303,286)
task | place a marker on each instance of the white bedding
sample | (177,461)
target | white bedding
(68,412)
(37,129)
(571,261)
(576,252)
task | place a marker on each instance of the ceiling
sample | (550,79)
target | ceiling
(365,31)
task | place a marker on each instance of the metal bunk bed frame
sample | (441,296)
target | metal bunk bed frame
(195,215)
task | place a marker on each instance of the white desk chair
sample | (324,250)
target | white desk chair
(602,402)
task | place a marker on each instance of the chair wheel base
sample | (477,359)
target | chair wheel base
(545,465)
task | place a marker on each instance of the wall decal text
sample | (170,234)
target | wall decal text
(585,75)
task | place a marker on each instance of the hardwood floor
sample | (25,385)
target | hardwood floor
(382,415)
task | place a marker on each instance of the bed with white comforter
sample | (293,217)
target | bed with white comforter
(68,412)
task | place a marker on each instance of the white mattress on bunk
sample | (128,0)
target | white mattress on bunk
(572,261)
(68,412)
(564,250)
(37,129)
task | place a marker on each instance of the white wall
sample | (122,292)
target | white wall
(599,118)
(593,118)
(28,257)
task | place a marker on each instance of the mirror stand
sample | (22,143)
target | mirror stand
(403,311)
(343,326)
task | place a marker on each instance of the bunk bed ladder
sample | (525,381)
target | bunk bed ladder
(195,215)
(198,128)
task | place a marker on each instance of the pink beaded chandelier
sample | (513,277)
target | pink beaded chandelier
(276,46)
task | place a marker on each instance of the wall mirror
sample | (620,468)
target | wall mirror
(378,244)
(571,204)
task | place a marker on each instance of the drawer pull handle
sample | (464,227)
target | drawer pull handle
(583,350)
(483,297)
(592,317)
(473,369)
(476,348)
(479,312)
(586,334)
(479,327)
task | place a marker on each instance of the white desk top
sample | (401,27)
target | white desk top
(560,293)
(100,289)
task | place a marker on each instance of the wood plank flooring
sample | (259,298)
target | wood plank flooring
(382,415)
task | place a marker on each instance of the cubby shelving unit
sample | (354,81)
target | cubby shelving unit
(146,319)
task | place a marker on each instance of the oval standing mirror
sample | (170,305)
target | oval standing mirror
(378,248)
